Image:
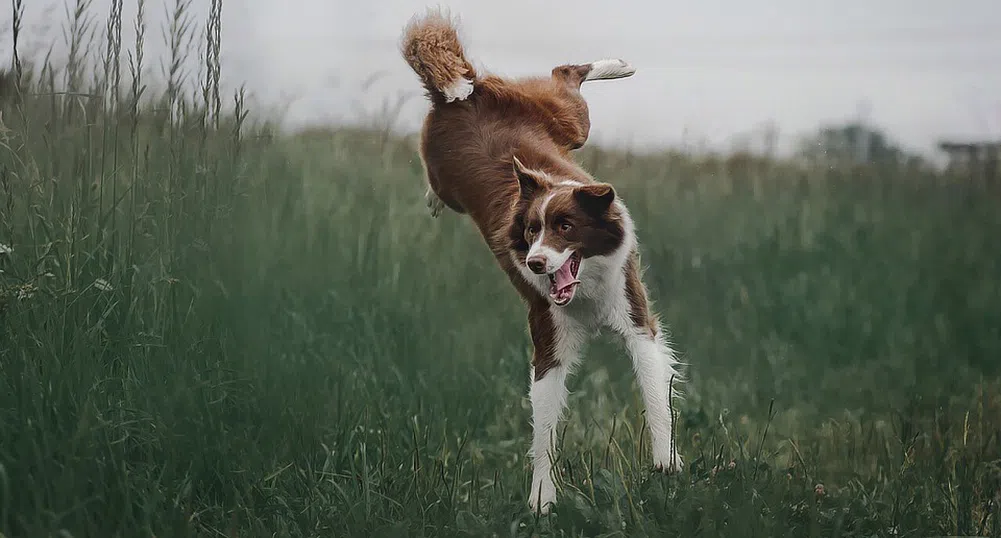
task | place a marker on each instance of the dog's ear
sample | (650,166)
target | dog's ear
(529,182)
(596,197)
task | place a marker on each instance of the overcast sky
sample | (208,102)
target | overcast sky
(706,71)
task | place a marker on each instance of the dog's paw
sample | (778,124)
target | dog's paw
(609,69)
(542,498)
(668,464)
(434,203)
(541,505)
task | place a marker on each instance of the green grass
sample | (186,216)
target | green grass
(207,329)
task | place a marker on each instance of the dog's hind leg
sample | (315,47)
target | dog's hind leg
(573,122)
(607,69)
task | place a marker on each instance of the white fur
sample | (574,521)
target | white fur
(600,302)
(609,69)
(459,89)
(653,362)
(549,399)
(554,260)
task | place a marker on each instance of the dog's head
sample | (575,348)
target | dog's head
(561,223)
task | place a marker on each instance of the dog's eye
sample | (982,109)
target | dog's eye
(565,226)
(533,229)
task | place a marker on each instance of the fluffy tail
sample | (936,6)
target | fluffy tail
(431,47)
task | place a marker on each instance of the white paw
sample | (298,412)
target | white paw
(458,90)
(609,69)
(435,205)
(668,463)
(542,497)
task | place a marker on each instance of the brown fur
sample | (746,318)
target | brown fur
(542,330)
(639,308)
(580,218)
(469,149)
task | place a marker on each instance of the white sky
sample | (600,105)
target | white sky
(707,71)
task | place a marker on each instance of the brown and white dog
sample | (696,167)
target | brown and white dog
(499,150)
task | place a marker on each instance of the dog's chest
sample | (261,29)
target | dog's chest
(600,303)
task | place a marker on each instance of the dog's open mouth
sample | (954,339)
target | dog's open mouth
(563,283)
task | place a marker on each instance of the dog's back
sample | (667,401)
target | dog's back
(477,123)
(468,149)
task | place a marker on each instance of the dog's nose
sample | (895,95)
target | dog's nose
(537,264)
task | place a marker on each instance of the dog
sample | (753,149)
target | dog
(499,150)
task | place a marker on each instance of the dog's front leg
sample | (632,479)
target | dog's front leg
(654,362)
(556,340)
(549,396)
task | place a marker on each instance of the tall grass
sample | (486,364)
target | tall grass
(209,329)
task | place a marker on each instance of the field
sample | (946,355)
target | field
(208,329)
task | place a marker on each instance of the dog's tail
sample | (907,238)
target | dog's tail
(431,47)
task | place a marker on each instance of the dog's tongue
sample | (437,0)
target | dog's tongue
(564,277)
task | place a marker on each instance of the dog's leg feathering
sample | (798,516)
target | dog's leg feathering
(609,69)
(557,340)
(549,398)
(654,364)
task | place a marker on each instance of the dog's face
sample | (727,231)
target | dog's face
(559,224)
